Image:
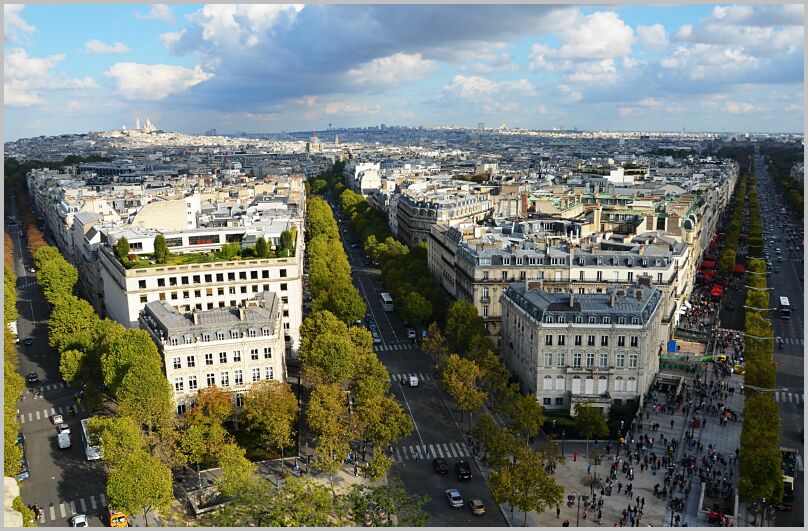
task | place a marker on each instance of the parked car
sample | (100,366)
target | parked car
(78,520)
(477,507)
(63,439)
(463,471)
(57,419)
(28,340)
(411,334)
(32,377)
(439,465)
(454,498)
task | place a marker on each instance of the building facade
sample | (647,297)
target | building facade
(231,348)
(568,348)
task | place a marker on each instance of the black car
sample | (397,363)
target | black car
(32,377)
(440,466)
(463,471)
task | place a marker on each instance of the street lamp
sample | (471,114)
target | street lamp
(578,511)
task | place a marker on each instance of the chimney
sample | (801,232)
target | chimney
(572,299)
(195,316)
(644,280)
(638,294)
(533,284)
(242,314)
(612,299)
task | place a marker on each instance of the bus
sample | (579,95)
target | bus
(387,302)
(24,472)
(93,451)
(785,308)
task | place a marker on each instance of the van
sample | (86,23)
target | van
(413,381)
(63,439)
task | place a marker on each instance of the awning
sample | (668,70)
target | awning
(708,264)
(717,291)
(743,237)
(739,268)
(708,275)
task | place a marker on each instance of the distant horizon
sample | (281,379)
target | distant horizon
(193,67)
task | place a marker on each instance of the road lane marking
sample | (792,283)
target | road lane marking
(92,503)
(62,510)
(777,396)
(83,505)
(52,512)
(103,500)
(465,448)
(407,403)
(448,452)
(53,411)
(398,455)
(439,451)
(22,418)
(73,507)
(31,417)
(459,450)
(432,451)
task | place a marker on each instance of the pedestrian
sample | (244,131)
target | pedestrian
(558,511)
(355,470)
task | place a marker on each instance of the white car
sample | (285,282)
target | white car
(454,498)
(63,439)
(411,334)
(413,381)
(64,427)
(79,520)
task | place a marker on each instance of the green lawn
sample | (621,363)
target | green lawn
(144,261)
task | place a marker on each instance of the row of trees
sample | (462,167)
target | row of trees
(726,260)
(781,159)
(330,280)
(755,244)
(761,460)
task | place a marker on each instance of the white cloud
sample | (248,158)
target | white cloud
(397,68)
(158,12)
(136,81)
(653,36)
(171,38)
(738,108)
(25,77)
(477,87)
(650,102)
(624,112)
(496,106)
(793,108)
(495,64)
(603,70)
(349,107)
(707,60)
(98,47)
(234,25)
(541,109)
(260,117)
(569,94)
(15,29)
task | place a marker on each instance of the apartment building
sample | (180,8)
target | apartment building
(231,348)
(597,348)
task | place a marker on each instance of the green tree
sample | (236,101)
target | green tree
(286,242)
(415,308)
(327,417)
(122,352)
(118,437)
(526,485)
(435,344)
(71,366)
(140,484)
(462,324)
(237,470)
(261,248)
(200,443)
(161,253)
(590,422)
(45,254)
(525,412)
(318,186)
(376,506)
(72,324)
(343,300)
(330,359)
(58,279)
(145,394)
(121,249)
(270,410)
(459,377)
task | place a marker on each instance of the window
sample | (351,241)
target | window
(220,336)
(591,319)
(576,359)
(222,357)
(504,275)
(192,383)
(188,339)
(253,275)
(173,341)
(600,276)
(632,384)
(161,282)
(560,359)
(283,286)
(254,354)
(548,359)
(579,319)
(578,341)
(621,359)
(559,401)
(174,295)
(547,401)
(208,278)
(283,273)
(604,359)
(548,340)
(211,378)
(239,400)
(618,383)
(205,337)
(178,385)
(635,320)
(632,361)
(236,355)
(238,377)
(621,341)
(144,299)
(242,275)
(244,289)
(231,276)
(256,374)
(485,310)
(659,278)
(590,341)
(209,358)
(268,373)
(607,319)
(485,294)
(581,276)
(224,378)
(184,280)
(604,341)
(265,274)
(219,277)
(559,383)
(590,359)
(631,276)
(265,331)
(191,361)
(548,318)
(267,353)
(180,409)
(141,284)
(562,340)
(251,332)
(634,341)
(621,320)
(178,363)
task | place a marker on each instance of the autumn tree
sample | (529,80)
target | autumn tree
(435,344)
(525,484)
(460,376)
(270,411)
(327,417)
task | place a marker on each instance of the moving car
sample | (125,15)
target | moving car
(476,506)
(57,419)
(116,518)
(29,340)
(463,471)
(31,377)
(78,520)
(63,427)
(411,334)
(454,498)
(440,466)
(413,381)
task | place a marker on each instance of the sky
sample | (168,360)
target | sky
(300,67)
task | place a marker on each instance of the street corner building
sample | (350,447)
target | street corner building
(597,348)
(231,347)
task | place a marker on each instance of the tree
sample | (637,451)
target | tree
(72,324)
(526,485)
(589,421)
(199,443)
(58,278)
(343,300)
(329,360)
(462,324)
(376,506)
(118,437)
(435,344)
(500,444)
(145,394)
(261,248)
(270,409)
(415,308)
(327,417)
(71,366)
(161,253)
(237,470)
(286,241)
(213,406)
(121,249)
(124,350)
(141,483)
(459,377)
(525,412)
(318,185)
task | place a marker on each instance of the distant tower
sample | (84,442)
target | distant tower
(336,140)
(481,125)
(137,123)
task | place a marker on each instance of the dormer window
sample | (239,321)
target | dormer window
(188,339)
(173,341)
(630,262)
(548,318)
(220,336)
(206,337)
(591,319)
(607,320)
(235,334)
(621,320)
(656,263)
(614,261)
(562,319)
(579,319)
(265,331)
(506,261)
(581,261)
(635,320)
(645,263)
(252,332)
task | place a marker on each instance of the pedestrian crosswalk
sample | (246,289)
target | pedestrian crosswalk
(793,340)
(431,451)
(66,509)
(47,413)
(392,346)
(406,376)
(789,398)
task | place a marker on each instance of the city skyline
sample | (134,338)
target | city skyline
(269,68)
